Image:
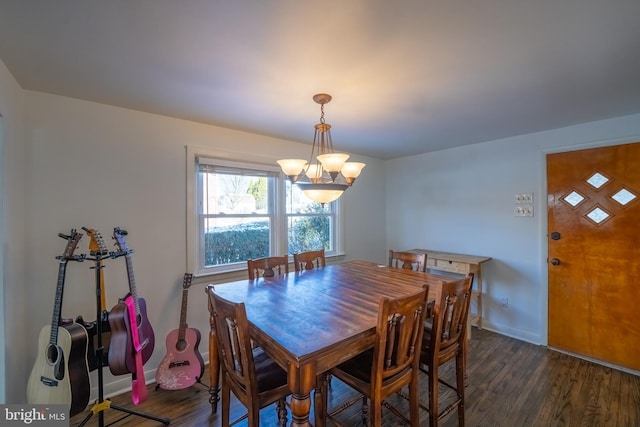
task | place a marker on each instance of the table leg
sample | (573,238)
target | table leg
(479,301)
(301,381)
(214,364)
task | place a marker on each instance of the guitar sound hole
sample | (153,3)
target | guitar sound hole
(181,345)
(53,354)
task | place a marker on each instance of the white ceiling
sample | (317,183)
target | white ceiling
(406,77)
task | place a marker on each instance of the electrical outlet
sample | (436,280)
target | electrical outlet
(524,198)
(523,210)
(504,302)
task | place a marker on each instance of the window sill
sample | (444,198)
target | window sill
(240,273)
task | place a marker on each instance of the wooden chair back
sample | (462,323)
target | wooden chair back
(408,260)
(267,267)
(450,315)
(234,343)
(309,260)
(253,377)
(398,336)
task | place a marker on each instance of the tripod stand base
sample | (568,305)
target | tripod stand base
(99,407)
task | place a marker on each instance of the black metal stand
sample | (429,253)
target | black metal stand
(102,404)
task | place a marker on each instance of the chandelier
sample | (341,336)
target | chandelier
(327,175)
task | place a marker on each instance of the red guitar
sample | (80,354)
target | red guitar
(182,366)
(60,373)
(122,351)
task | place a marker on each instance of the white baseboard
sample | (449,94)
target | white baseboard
(511,332)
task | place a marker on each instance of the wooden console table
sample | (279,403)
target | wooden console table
(461,264)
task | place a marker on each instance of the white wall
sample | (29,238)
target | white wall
(462,200)
(15,308)
(99,166)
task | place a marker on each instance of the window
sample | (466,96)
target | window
(310,226)
(249,211)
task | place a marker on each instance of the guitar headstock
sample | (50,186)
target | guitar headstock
(72,242)
(121,242)
(186,282)
(96,244)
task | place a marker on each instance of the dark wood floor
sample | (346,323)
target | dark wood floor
(511,383)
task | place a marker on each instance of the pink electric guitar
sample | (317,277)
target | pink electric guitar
(182,366)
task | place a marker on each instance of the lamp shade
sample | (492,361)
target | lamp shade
(352,169)
(323,193)
(333,162)
(292,167)
(314,172)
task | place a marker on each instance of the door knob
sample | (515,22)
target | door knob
(555,261)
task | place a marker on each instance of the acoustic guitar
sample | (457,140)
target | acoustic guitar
(122,352)
(60,374)
(182,365)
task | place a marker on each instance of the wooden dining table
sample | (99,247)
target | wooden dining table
(311,321)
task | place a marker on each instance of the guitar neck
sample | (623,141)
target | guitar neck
(183,315)
(57,305)
(103,296)
(132,282)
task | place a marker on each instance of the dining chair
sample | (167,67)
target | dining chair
(309,260)
(391,365)
(445,341)
(408,260)
(268,266)
(253,377)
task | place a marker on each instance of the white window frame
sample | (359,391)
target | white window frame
(252,162)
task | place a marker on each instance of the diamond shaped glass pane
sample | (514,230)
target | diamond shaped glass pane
(597,180)
(597,215)
(623,196)
(574,198)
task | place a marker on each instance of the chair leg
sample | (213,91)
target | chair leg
(281,408)
(226,401)
(320,400)
(253,417)
(376,413)
(414,402)
(433,395)
(327,378)
(365,411)
(461,375)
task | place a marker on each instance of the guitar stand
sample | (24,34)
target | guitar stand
(102,404)
(202,384)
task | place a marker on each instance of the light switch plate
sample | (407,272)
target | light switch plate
(523,210)
(524,198)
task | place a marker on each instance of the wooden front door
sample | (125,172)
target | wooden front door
(594,253)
